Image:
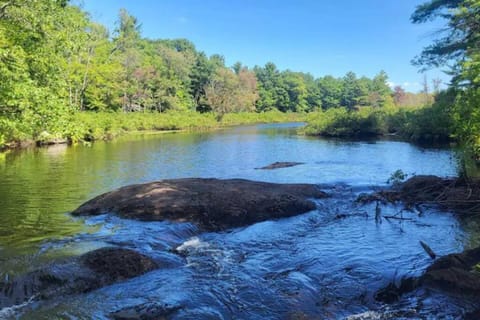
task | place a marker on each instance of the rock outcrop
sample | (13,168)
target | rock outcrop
(212,204)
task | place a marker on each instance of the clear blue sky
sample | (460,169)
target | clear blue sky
(317,36)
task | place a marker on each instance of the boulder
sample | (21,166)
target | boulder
(81,274)
(455,273)
(212,204)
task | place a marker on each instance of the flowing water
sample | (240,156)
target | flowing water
(326,264)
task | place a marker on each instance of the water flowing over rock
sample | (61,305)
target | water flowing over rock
(213,204)
(90,271)
(146,311)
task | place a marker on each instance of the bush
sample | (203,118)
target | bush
(428,124)
(340,122)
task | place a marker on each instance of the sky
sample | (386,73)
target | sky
(322,37)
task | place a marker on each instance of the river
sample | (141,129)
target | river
(313,266)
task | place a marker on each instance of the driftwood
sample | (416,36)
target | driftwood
(459,195)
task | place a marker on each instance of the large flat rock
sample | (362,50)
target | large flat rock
(213,204)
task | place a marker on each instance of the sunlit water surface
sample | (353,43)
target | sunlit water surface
(325,264)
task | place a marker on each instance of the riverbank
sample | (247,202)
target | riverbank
(90,126)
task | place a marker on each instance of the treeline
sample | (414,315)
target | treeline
(56,62)
(64,76)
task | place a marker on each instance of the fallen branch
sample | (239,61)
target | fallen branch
(396,218)
(428,250)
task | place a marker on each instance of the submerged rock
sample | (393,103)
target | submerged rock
(393,292)
(211,203)
(278,165)
(116,264)
(146,311)
(88,272)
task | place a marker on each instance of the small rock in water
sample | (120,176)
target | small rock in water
(278,165)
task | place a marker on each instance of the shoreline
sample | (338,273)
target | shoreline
(104,127)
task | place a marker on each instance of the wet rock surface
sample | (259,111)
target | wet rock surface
(455,273)
(146,311)
(279,165)
(82,274)
(393,292)
(212,204)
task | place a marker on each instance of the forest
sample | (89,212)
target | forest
(64,77)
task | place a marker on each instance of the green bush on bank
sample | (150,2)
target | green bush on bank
(340,122)
(273,116)
(426,124)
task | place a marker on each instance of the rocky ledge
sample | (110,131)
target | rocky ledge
(212,204)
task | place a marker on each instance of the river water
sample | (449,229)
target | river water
(313,266)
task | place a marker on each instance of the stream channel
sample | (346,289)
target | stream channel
(325,264)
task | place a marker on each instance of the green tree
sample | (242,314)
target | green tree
(351,90)
(33,87)
(379,91)
(330,91)
(126,41)
(296,89)
(458,45)
(103,81)
(458,40)
(203,72)
(268,83)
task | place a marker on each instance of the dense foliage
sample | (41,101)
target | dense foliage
(57,64)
